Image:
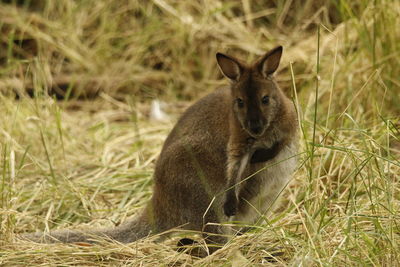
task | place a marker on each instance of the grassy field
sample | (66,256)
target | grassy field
(78,145)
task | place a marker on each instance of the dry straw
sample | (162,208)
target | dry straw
(77,147)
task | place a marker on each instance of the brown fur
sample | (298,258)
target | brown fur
(190,178)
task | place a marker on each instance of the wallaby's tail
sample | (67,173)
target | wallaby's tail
(132,230)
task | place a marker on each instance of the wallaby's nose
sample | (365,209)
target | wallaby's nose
(255,127)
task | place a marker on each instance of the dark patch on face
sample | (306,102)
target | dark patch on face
(254,117)
(250,90)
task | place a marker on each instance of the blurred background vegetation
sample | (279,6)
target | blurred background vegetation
(77,146)
(166,48)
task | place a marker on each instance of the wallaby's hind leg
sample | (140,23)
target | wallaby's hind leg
(214,238)
(214,241)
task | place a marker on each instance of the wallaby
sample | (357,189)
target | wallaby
(223,138)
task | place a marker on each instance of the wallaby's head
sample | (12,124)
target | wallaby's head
(256,97)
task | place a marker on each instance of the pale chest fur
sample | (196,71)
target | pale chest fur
(262,189)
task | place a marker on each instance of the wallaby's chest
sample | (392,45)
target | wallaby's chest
(265,181)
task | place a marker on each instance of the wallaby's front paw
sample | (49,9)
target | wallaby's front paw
(230,206)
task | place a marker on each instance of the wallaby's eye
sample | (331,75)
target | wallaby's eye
(265,100)
(240,102)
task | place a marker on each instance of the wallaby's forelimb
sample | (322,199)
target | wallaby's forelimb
(236,168)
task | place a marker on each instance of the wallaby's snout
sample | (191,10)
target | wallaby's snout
(256,127)
(258,117)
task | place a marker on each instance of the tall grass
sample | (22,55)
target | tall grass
(77,147)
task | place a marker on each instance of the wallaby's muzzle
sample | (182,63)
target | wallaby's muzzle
(256,128)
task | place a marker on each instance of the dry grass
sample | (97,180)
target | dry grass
(87,159)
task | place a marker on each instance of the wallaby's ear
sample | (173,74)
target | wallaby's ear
(230,67)
(270,61)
